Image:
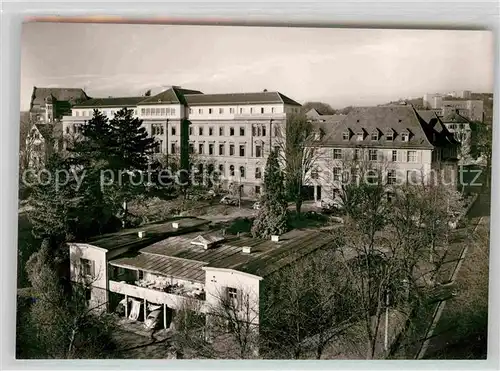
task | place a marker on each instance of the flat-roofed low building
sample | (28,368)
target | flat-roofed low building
(201,267)
(89,260)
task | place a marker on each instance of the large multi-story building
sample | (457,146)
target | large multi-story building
(47,107)
(51,104)
(395,141)
(234,132)
(472,109)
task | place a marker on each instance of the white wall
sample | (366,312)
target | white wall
(87,113)
(325,164)
(98,257)
(217,280)
(202,112)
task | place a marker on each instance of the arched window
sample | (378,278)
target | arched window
(242,171)
(231,170)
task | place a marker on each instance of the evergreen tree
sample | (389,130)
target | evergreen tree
(272,216)
(52,207)
(130,158)
(90,158)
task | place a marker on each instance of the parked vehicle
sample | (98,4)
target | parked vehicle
(328,206)
(153,319)
(227,200)
(256,205)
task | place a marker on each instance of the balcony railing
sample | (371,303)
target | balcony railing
(154,295)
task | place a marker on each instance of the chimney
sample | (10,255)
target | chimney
(275,238)
(246,250)
(175,225)
(141,234)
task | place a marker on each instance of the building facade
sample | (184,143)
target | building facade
(471,109)
(42,141)
(231,133)
(391,142)
(51,104)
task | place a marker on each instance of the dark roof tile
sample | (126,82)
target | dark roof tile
(71,95)
(240,98)
(110,102)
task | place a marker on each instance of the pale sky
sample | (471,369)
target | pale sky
(337,66)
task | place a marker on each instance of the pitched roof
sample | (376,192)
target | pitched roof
(330,118)
(48,131)
(170,96)
(265,97)
(265,258)
(397,119)
(72,95)
(110,102)
(435,124)
(164,265)
(454,117)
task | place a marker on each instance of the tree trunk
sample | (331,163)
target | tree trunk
(124,219)
(298,205)
(71,343)
(319,350)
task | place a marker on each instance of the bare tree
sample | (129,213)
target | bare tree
(298,152)
(228,328)
(306,307)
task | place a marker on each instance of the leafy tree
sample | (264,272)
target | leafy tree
(272,215)
(345,110)
(322,108)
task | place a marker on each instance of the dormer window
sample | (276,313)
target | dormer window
(375,135)
(405,137)
(346,135)
(207,242)
(360,136)
(389,135)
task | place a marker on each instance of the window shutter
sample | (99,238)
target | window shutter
(239,298)
(92,268)
(419,156)
(400,156)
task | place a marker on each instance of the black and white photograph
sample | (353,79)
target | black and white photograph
(243,192)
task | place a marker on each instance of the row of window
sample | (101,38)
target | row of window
(339,175)
(242,173)
(104,112)
(259,151)
(232,110)
(375,155)
(375,135)
(257,131)
(157,111)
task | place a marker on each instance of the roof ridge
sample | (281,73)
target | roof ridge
(420,122)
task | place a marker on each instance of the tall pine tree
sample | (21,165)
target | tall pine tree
(129,158)
(272,216)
